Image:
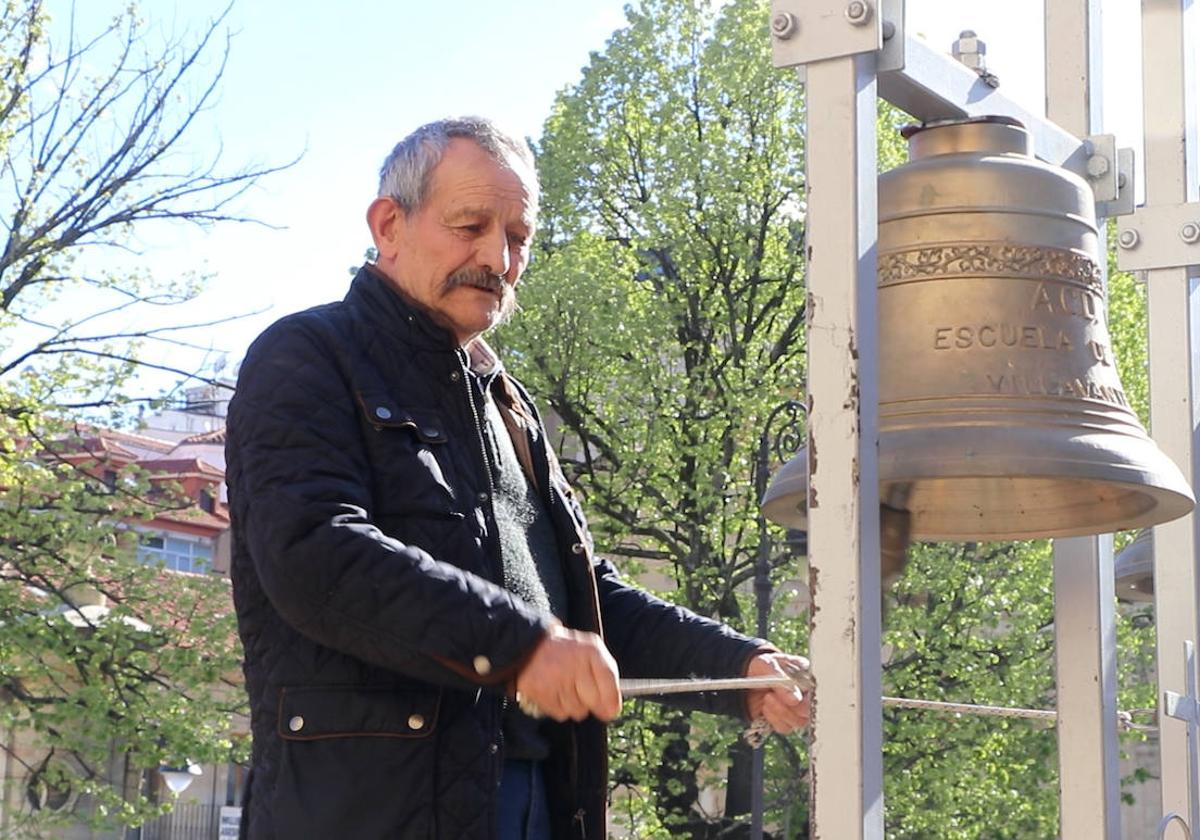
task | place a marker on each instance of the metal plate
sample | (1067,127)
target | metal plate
(822,29)
(1162,236)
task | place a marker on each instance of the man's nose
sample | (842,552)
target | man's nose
(493,254)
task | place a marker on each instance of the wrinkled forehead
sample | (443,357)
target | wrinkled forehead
(525,170)
(473,180)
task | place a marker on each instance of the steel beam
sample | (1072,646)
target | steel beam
(1168,71)
(915,77)
(933,86)
(843,506)
(1084,605)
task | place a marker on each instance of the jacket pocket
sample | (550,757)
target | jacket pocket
(311,713)
(409,451)
(382,412)
(356,762)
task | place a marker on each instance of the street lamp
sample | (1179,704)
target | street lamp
(783,436)
(178,778)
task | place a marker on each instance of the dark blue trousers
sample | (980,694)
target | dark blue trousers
(522,802)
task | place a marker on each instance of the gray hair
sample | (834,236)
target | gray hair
(404,176)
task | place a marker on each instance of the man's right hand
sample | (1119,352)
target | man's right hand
(571,675)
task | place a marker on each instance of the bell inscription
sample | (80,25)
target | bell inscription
(1029,336)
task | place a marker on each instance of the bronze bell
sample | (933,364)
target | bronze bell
(1134,570)
(1001,415)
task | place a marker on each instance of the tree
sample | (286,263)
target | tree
(661,321)
(87,158)
(663,315)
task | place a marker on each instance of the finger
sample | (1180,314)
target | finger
(607,703)
(785,717)
(589,692)
(574,706)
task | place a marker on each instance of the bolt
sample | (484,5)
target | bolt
(889,30)
(970,50)
(1128,239)
(1190,233)
(1097,165)
(783,25)
(1122,180)
(858,12)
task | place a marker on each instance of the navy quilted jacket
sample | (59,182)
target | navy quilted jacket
(379,646)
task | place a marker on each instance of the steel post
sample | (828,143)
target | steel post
(847,763)
(1168,62)
(1084,613)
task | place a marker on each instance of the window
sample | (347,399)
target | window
(176,554)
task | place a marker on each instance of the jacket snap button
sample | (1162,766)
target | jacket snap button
(383,413)
(493,748)
(577,548)
(483,666)
(415,722)
(483,497)
(296,723)
(455,376)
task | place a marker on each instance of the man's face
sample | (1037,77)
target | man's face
(462,252)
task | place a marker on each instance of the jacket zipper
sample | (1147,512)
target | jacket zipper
(498,574)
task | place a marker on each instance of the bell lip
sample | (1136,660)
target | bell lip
(785,501)
(1133,569)
(933,525)
(912,129)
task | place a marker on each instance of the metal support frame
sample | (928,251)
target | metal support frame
(843,510)
(1085,629)
(1174,307)
(1186,707)
(1160,236)
(850,49)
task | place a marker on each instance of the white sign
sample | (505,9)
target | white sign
(231,818)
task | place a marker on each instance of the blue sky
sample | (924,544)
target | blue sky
(339,83)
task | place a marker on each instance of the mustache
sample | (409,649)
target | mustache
(478,278)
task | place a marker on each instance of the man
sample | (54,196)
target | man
(408,558)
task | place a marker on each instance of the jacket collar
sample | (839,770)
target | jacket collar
(390,310)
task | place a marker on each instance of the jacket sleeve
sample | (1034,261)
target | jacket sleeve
(299,490)
(650,637)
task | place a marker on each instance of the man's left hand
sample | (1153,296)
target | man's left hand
(785,708)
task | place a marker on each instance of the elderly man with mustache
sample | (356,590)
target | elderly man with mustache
(409,559)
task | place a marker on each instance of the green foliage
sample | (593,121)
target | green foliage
(662,317)
(971,624)
(108,667)
(1127,327)
(102,655)
(662,321)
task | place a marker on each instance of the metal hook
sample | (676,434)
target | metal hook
(1166,822)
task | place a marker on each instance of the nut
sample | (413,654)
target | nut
(970,50)
(1128,238)
(783,25)
(1097,166)
(858,12)
(1190,233)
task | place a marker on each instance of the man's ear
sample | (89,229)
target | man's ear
(385,218)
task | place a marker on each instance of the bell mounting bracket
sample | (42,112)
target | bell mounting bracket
(1160,236)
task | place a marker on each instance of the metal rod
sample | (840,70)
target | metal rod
(647,688)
